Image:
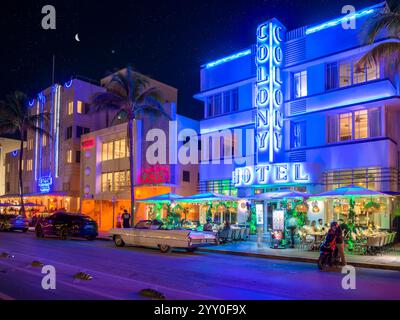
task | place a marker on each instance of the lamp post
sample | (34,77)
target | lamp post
(113,200)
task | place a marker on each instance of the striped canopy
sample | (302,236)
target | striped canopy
(282,194)
(163,198)
(350,191)
(207,197)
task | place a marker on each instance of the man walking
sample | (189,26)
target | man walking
(126,220)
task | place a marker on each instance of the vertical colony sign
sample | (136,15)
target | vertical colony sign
(269,91)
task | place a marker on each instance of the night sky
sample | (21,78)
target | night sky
(167,40)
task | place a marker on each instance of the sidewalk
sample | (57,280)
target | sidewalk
(389,261)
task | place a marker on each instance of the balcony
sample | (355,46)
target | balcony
(342,97)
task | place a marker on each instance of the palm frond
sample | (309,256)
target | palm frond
(152,106)
(149,92)
(378,22)
(107,100)
(388,52)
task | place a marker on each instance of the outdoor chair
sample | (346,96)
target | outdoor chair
(372,245)
(242,234)
(246,233)
(225,236)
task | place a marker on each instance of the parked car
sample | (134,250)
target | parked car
(148,233)
(66,225)
(13,222)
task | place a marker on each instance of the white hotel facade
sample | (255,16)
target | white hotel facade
(319,122)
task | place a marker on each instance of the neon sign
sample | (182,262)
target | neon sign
(155,175)
(269,90)
(270,174)
(88,144)
(229,58)
(338,21)
(14,153)
(45,183)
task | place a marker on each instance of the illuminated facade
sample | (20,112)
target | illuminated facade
(105,178)
(318,121)
(51,164)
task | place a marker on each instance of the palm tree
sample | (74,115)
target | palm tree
(130,95)
(386,20)
(15,118)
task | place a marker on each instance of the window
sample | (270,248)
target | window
(121,179)
(69,133)
(107,182)
(115,181)
(69,156)
(360,124)
(331,76)
(300,84)
(345,126)
(79,107)
(115,150)
(222,103)
(87,108)
(186,176)
(345,74)
(44,140)
(80,131)
(70,107)
(217,104)
(120,149)
(30,144)
(78,157)
(8,168)
(298,134)
(349,74)
(29,165)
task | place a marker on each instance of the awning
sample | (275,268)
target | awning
(207,197)
(350,191)
(281,194)
(164,198)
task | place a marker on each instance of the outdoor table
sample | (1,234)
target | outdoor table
(316,235)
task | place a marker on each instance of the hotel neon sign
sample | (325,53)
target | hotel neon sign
(270,174)
(269,90)
(44,184)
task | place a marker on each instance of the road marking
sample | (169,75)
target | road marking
(139,282)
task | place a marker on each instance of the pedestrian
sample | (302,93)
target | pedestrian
(119,224)
(340,244)
(126,219)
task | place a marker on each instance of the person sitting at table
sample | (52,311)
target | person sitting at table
(208,226)
(314,226)
(227,226)
(320,226)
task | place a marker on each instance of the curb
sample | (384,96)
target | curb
(284,258)
(298,259)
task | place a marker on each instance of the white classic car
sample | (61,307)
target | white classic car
(149,233)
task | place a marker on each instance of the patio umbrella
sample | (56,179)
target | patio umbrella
(163,198)
(207,197)
(350,191)
(6,205)
(282,194)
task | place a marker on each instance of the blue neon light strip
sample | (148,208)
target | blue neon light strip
(229,58)
(37,142)
(57,110)
(338,21)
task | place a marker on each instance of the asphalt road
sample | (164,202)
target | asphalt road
(120,273)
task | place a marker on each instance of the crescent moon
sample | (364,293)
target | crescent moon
(77,37)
